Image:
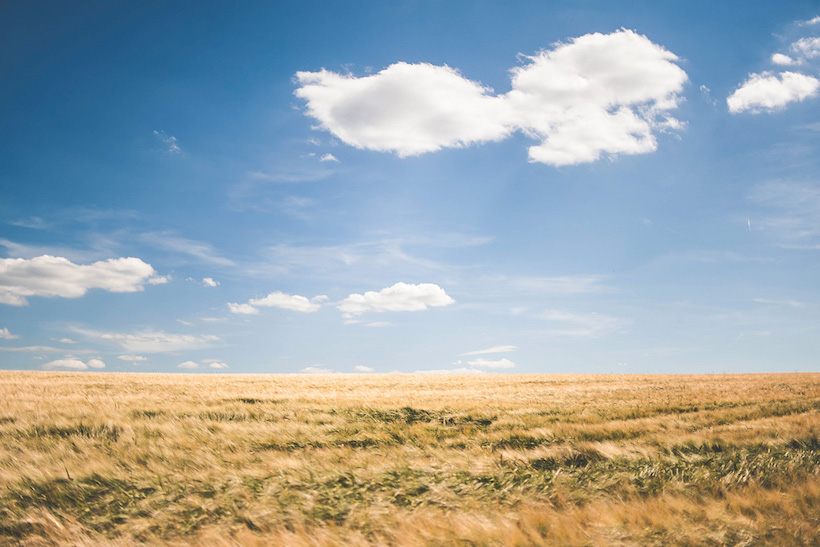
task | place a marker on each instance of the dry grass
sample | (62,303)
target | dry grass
(409,459)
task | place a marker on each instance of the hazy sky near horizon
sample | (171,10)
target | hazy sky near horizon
(530,187)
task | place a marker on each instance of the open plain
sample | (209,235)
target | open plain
(124,459)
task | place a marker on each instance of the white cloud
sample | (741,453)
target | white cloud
(494,349)
(155,341)
(73,364)
(807,48)
(243,309)
(278,299)
(289,302)
(399,297)
(170,141)
(406,108)
(217,364)
(51,276)
(316,369)
(460,370)
(329,157)
(766,92)
(582,325)
(486,363)
(780,59)
(188,365)
(132,358)
(209,282)
(598,94)
(362,368)
(6,335)
(812,21)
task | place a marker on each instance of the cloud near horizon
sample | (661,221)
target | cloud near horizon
(73,364)
(154,341)
(51,276)
(598,94)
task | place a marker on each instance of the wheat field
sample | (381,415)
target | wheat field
(129,459)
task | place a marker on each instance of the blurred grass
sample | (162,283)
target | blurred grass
(409,459)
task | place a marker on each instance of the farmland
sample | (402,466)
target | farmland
(128,459)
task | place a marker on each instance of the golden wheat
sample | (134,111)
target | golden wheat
(409,459)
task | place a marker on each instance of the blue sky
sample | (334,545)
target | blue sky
(410,186)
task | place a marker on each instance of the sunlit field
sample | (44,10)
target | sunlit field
(409,459)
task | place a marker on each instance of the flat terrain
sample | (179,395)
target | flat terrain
(409,459)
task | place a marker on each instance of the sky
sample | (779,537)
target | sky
(410,186)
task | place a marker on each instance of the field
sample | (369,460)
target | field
(127,459)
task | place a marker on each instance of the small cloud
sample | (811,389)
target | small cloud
(170,141)
(6,335)
(461,370)
(216,364)
(278,299)
(379,324)
(706,93)
(362,368)
(783,60)
(486,363)
(66,341)
(73,364)
(209,282)
(132,358)
(766,92)
(316,369)
(243,309)
(494,349)
(188,365)
(329,157)
(813,21)
(399,297)
(159,280)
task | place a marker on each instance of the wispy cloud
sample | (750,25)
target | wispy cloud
(494,349)
(46,349)
(582,325)
(793,213)
(170,142)
(172,243)
(153,341)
